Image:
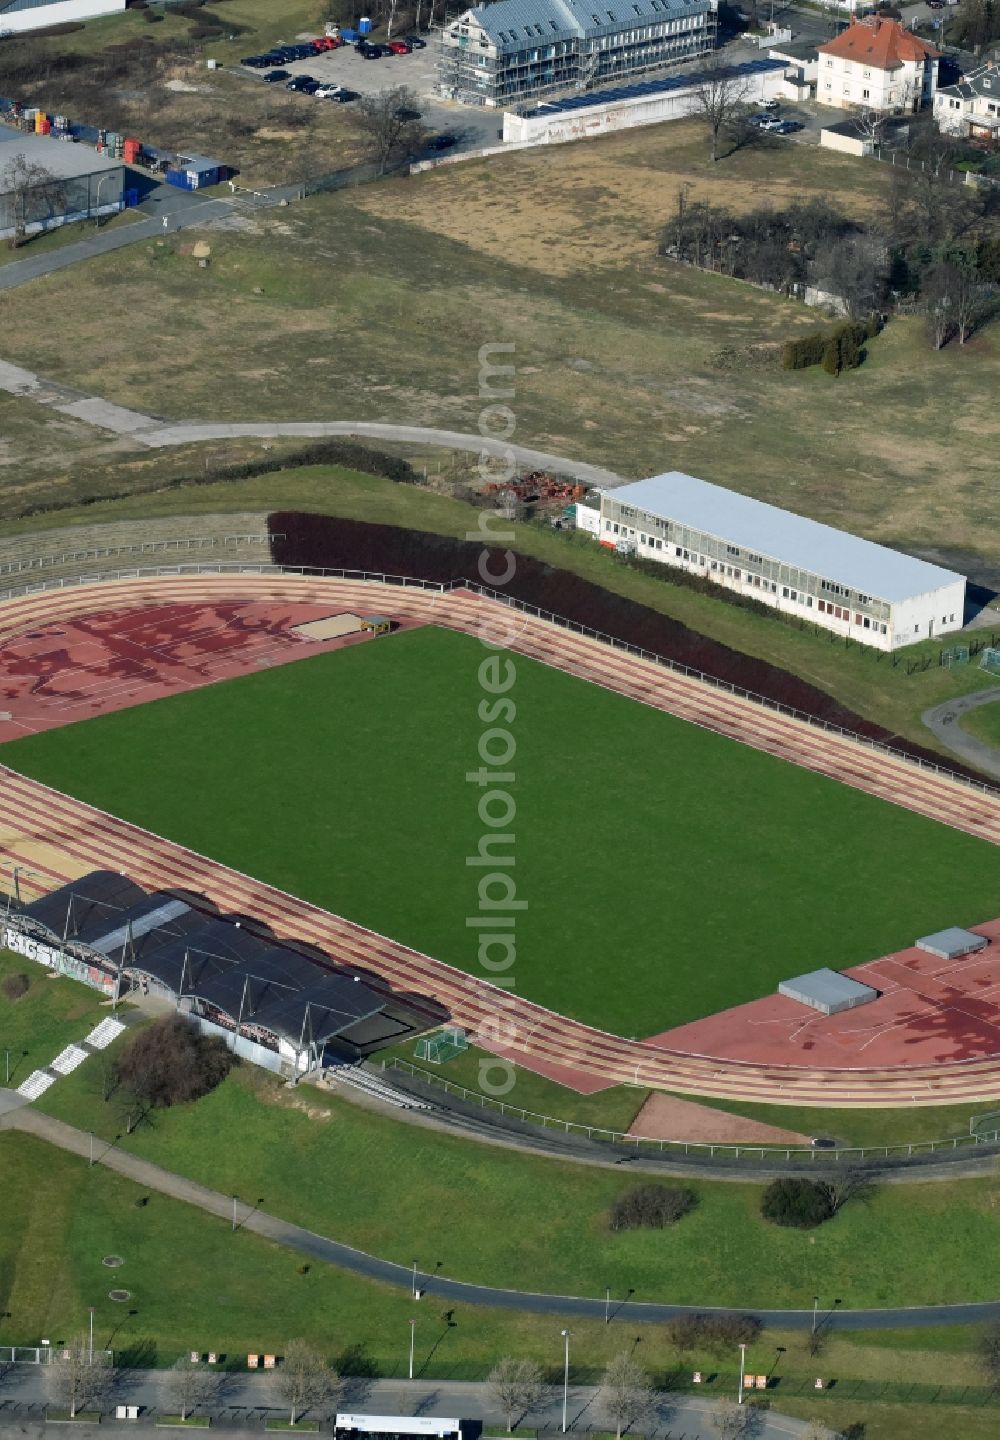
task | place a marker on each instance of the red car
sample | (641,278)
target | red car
(325,42)
(400,47)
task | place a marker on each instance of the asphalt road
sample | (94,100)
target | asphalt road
(430,1283)
(945,722)
(250,1399)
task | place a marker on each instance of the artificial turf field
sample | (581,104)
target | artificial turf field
(667,872)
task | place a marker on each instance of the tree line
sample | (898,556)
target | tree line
(932,245)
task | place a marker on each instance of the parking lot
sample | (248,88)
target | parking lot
(472,126)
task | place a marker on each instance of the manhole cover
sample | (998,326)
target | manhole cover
(112,1261)
(120,1295)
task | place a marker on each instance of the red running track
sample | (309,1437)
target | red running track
(84,838)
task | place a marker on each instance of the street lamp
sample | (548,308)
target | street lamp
(565,1335)
(413,1286)
(607,1306)
(6,1060)
(235,1198)
(743,1361)
(91,1308)
(815,1308)
(111,175)
(413,1327)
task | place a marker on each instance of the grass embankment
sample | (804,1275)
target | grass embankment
(402,1191)
(194,1284)
(650,871)
(984,723)
(38,1024)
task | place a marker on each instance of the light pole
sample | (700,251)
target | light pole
(235,1198)
(6,1066)
(607,1306)
(91,1148)
(97,209)
(413,1330)
(815,1308)
(91,1308)
(413,1286)
(743,1359)
(565,1335)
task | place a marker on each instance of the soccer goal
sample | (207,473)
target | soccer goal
(990,661)
(438,1049)
(955,655)
(985,1127)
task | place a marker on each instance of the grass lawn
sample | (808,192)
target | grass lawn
(984,723)
(64,235)
(615,349)
(402,1191)
(196,1285)
(52,1013)
(652,856)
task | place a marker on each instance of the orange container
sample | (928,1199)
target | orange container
(130,151)
(40,119)
(45,127)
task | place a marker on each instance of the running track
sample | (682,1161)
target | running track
(78,838)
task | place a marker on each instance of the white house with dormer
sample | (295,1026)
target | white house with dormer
(877,64)
(971,109)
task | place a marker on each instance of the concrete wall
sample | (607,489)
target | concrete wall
(588,519)
(846,144)
(35,17)
(543,127)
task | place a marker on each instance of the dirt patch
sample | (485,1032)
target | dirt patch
(664,1117)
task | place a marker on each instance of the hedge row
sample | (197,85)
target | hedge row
(842,348)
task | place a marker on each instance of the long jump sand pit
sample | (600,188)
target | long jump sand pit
(664,1117)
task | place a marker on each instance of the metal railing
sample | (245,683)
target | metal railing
(144,547)
(573,626)
(712,1149)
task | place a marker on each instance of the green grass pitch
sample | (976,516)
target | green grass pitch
(667,872)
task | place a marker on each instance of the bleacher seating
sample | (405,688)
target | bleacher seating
(36,1084)
(67,1060)
(370,1084)
(102,1035)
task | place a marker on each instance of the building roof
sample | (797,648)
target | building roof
(827,990)
(65,160)
(515,25)
(793,49)
(644,89)
(781,535)
(880,44)
(953,943)
(982,82)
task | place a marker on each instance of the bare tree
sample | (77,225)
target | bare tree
(32,193)
(304,1379)
(870,124)
(515,1387)
(720,100)
(939,304)
(387,120)
(75,1374)
(190,1385)
(626,1396)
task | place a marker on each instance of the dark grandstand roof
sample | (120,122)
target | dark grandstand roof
(648,88)
(207,957)
(90,902)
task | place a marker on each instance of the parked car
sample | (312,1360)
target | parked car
(273,76)
(415,42)
(404,114)
(399,47)
(769,105)
(768,122)
(254,60)
(326,92)
(441,142)
(302,82)
(788,127)
(370,52)
(343,97)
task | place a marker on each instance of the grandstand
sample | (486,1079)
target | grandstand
(291,1010)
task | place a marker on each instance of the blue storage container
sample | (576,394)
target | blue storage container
(365,25)
(349,36)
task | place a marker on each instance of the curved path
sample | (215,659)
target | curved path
(73,837)
(945,721)
(371,1267)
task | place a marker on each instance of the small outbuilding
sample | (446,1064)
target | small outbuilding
(196,172)
(827,991)
(953,943)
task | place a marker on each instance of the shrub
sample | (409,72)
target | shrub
(14,986)
(169,1063)
(650,1207)
(800,1204)
(717,1334)
(803,351)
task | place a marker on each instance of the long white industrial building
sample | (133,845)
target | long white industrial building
(839,581)
(18,16)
